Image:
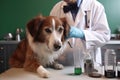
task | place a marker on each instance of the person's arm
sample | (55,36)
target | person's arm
(99,32)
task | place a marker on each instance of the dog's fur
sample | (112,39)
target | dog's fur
(44,42)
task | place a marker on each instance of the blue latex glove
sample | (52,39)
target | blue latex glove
(76,33)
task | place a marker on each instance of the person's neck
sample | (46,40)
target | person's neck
(70,1)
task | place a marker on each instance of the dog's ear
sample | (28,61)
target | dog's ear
(34,25)
(66,27)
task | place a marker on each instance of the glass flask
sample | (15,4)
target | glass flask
(110,63)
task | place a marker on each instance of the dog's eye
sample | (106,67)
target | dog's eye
(60,30)
(48,30)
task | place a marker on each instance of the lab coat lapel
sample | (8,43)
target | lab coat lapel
(80,17)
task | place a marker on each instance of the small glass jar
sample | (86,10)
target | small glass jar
(91,67)
(110,63)
(88,66)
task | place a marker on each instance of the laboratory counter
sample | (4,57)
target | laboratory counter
(112,44)
(65,74)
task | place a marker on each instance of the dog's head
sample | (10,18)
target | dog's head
(49,30)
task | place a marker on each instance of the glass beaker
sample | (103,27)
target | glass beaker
(110,63)
(92,68)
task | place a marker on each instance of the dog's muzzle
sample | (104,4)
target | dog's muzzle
(57,46)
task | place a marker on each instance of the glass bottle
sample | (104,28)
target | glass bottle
(110,63)
(118,69)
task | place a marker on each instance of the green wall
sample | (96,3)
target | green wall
(112,8)
(16,13)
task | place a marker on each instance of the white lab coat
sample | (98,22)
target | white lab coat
(98,32)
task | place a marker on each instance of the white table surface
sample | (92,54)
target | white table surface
(65,74)
(113,42)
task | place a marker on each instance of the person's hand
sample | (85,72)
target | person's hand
(75,33)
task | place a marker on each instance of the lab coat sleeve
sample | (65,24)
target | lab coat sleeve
(99,32)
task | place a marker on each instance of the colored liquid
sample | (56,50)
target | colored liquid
(118,74)
(77,71)
(110,74)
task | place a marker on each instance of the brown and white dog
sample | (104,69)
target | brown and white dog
(44,42)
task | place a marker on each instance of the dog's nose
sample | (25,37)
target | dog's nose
(57,46)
